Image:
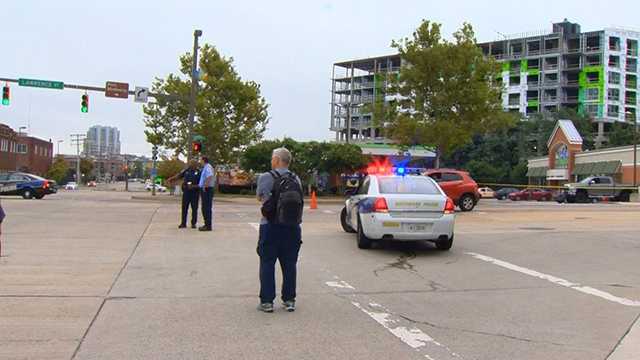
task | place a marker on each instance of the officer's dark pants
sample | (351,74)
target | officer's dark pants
(207,205)
(190,199)
(282,243)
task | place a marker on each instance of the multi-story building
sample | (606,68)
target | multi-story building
(102,141)
(594,72)
(21,152)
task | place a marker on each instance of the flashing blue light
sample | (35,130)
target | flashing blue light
(400,171)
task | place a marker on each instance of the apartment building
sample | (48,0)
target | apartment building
(102,141)
(594,72)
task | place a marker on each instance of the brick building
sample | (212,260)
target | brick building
(21,152)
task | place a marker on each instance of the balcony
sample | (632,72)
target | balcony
(591,49)
(631,68)
(631,101)
(630,117)
(572,82)
(631,84)
(552,50)
(549,99)
(632,52)
(551,66)
(570,99)
(549,82)
(533,84)
(613,114)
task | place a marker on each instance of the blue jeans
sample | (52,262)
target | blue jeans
(282,243)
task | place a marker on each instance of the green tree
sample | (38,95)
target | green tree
(168,167)
(138,169)
(620,134)
(58,170)
(86,167)
(230,113)
(446,91)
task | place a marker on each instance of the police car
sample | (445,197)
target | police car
(399,207)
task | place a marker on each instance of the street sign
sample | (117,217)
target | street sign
(141,94)
(47,84)
(117,90)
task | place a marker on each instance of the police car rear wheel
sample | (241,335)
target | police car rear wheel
(27,194)
(343,221)
(363,241)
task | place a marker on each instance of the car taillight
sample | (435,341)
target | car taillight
(380,205)
(449,207)
(46,184)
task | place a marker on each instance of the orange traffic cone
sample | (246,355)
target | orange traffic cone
(314,201)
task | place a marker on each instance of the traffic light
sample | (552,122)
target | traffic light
(5,95)
(85,103)
(196,146)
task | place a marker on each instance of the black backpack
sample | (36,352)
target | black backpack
(285,205)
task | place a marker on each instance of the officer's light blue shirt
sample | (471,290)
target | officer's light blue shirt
(207,171)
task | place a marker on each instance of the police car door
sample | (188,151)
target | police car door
(361,194)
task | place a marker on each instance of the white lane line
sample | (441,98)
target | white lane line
(328,212)
(399,327)
(256,226)
(558,281)
(629,347)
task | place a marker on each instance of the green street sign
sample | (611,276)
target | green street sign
(47,84)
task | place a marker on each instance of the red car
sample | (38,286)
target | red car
(532,194)
(458,185)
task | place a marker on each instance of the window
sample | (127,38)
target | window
(514,80)
(364,188)
(612,111)
(592,109)
(4,145)
(614,43)
(604,180)
(592,94)
(16,177)
(407,185)
(613,94)
(22,148)
(614,78)
(451,177)
(614,61)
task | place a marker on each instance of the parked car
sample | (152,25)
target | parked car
(399,208)
(486,192)
(159,187)
(503,193)
(92,184)
(531,194)
(71,186)
(458,185)
(595,188)
(26,185)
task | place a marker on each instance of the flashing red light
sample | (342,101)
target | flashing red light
(380,205)
(380,167)
(46,184)
(449,207)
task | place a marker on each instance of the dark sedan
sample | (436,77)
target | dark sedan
(503,193)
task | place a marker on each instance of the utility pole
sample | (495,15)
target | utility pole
(77,140)
(194,90)
(126,173)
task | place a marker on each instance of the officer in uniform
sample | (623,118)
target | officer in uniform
(190,193)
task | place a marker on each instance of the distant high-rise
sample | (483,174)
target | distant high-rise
(102,141)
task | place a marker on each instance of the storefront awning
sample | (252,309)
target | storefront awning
(537,172)
(597,168)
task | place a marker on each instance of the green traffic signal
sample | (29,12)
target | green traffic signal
(5,101)
(84,105)
(5,95)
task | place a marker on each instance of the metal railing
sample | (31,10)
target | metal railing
(592,49)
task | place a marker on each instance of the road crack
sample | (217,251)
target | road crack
(403,263)
(477,332)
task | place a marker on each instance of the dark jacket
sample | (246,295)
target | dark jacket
(2,215)
(190,179)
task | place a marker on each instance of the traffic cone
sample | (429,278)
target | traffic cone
(314,201)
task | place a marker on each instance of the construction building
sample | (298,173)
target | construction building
(594,72)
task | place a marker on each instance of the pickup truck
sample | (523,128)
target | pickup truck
(595,188)
(26,185)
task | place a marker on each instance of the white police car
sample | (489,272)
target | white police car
(399,208)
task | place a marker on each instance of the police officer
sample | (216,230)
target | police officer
(190,192)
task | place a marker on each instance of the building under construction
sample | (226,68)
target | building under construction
(594,72)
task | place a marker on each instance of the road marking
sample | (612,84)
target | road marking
(256,226)
(328,212)
(394,324)
(558,281)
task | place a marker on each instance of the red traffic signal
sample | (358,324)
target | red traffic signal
(6,92)
(196,146)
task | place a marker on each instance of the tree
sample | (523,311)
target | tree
(169,167)
(621,134)
(230,112)
(138,169)
(58,170)
(86,167)
(446,91)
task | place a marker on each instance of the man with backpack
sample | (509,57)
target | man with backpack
(280,192)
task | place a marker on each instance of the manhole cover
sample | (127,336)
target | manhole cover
(537,228)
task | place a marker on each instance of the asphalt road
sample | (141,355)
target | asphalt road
(96,275)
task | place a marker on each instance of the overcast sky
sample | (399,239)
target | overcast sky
(286,46)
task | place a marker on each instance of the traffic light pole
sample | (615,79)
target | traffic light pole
(194,91)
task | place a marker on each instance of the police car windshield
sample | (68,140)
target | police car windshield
(407,185)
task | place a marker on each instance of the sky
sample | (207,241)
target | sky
(288,47)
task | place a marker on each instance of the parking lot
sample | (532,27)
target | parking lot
(97,275)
